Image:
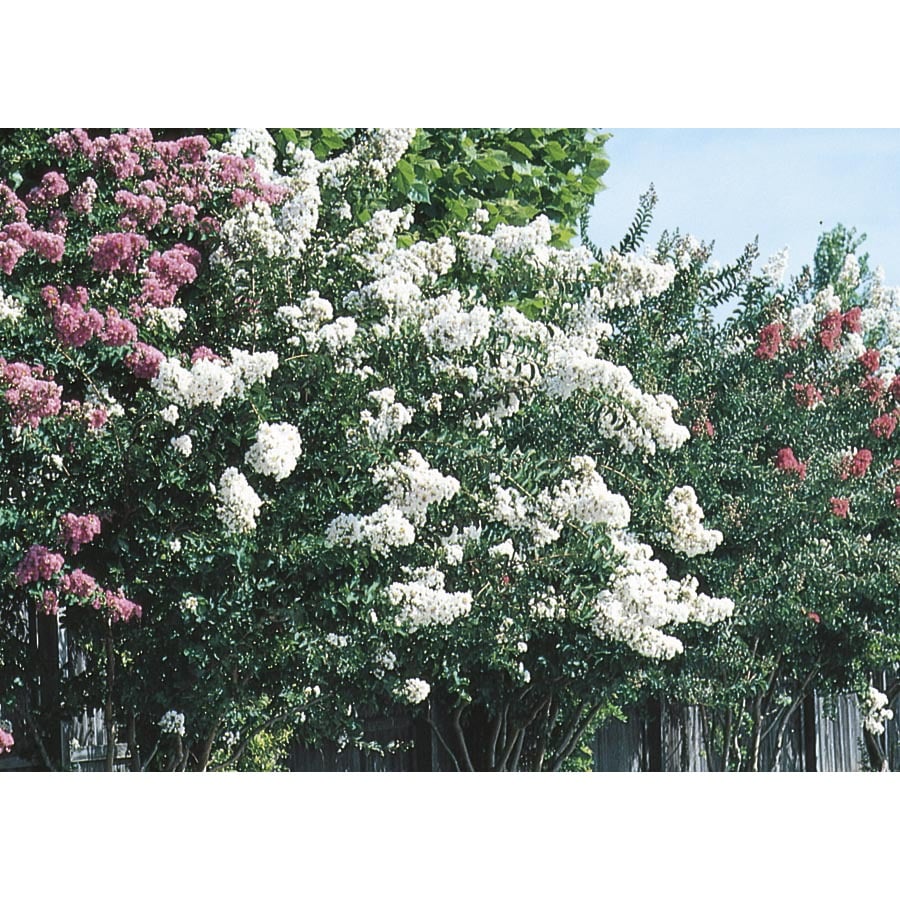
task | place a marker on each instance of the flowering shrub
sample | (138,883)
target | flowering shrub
(798,469)
(315,458)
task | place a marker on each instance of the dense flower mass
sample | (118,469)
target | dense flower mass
(292,430)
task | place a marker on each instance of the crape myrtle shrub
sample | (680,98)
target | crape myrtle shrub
(281,450)
(793,405)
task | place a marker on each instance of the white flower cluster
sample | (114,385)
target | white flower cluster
(169,414)
(390,419)
(586,498)
(383,530)
(298,217)
(313,323)
(251,230)
(684,520)
(641,599)
(451,329)
(548,606)
(773,271)
(238,504)
(413,691)
(389,145)
(529,243)
(454,544)
(848,277)
(635,419)
(183,444)
(169,317)
(172,723)
(211,381)
(875,711)
(422,601)
(256,143)
(10,310)
(413,485)
(275,451)
(634,279)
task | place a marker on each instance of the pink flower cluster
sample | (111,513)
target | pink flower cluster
(168,271)
(52,187)
(6,741)
(144,361)
(787,462)
(76,531)
(873,387)
(83,196)
(75,324)
(38,564)
(857,465)
(122,609)
(79,584)
(18,237)
(117,251)
(703,426)
(852,320)
(29,397)
(840,507)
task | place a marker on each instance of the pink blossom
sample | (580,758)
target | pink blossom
(38,564)
(202,352)
(117,331)
(51,188)
(831,327)
(79,584)
(769,341)
(122,609)
(807,395)
(97,417)
(30,398)
(11,251)
(49,603)
(75,326)
(6,741)
(78,530)
(83,197)
(117,251)
(852,320)
(144,361)
(840,506)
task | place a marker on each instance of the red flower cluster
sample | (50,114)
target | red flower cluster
(870,360)
(856,465)
(852,320)
(787,462)
(807,395)
(830,333)
(884,426)
(769,341)
(873,387)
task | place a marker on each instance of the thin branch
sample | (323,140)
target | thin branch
(444,744)
(457,728)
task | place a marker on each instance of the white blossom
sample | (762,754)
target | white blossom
(238,504)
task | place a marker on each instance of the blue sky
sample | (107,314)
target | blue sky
(732,184)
